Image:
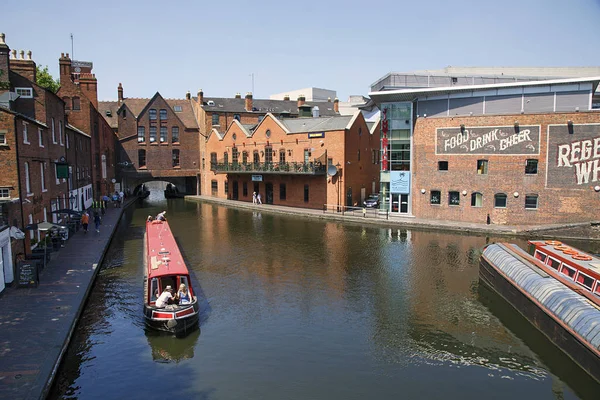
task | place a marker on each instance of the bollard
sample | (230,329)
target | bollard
(364,212)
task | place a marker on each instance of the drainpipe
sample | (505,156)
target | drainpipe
(19,186)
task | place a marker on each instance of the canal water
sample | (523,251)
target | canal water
(296,308)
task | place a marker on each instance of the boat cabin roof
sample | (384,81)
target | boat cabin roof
(550,249)
(164,257)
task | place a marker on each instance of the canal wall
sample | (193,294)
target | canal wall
(38,323)
(574,231)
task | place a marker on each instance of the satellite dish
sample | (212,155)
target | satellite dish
(332,170)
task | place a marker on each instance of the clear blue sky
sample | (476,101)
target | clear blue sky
(176,46)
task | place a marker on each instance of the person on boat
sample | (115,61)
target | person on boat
(161,216)
(165,297)
(183,295)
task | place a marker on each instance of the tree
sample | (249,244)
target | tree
(45,80)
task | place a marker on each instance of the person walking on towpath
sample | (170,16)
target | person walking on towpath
(253,197)
(258,199)
(85,220)
(97,221)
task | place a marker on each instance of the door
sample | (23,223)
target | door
(234,191)
(395,203)
(363,195)
(256,188)
(269,193)
(349,197)
(404,204)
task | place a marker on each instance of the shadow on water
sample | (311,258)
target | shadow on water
(557,362)
(167,349)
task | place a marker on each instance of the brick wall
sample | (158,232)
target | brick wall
(506,174)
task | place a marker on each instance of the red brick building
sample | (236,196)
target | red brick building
(79,91)
(157,140)
(521,153)
(287,161)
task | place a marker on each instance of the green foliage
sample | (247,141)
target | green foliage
(45,80)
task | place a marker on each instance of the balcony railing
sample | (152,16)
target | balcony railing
(311,168)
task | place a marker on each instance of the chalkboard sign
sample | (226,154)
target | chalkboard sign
(27,273)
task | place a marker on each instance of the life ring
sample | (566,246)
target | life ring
(553,242)
(582,257)
(571,252)
(561,248)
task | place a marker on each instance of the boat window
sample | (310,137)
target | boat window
(553,263)
(597,289)
(168,281)
(585,280)
(568,271)
(540,256)
(154,290)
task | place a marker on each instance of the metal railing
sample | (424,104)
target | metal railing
(311,168)
(363,212)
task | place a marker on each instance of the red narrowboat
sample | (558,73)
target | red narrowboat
(165,271)
(573,267)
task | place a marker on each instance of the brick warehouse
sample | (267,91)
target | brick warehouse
(521,152)
(157,140)
(287,160)
(34,137)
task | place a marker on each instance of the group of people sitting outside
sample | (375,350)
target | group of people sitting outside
(182,297)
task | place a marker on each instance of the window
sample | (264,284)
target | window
(268,154)
(67,101)
(453,198)
(531,167)
(4,193)
(306,193)
(234,155)
(163,114)
(60,132)
(531,201)
(25,135)
(237,117)
(27,181)
(142,158)
(124,113)
(43,176)
(177,108)
(256,157)
(435,197)
(442,165)
(226,157)
(215,119)
(67,140)
(500,200)
(56,176)
(53,133)
(163,134)
(476,199)
(152,114)
(32,232)
(282,156)
(214,187)
(41,137)
(213,160)
(268,133)
(76,104)
(175,158)
(2,139)
(373,156)
(244,157)
(175,134)
(282,193)
(307,154)
(358,154)
(152,134)
(482,167)
(226,187)
(26,93)
(359,131)
(245,189)
(141,134)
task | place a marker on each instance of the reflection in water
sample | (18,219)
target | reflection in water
(301,309)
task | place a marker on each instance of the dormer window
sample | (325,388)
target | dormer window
(177,109)
(26,93)
(108,113)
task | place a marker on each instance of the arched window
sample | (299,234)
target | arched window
(67,101)
(256,157)
(225,157)
(142,158)
(244,157)
(234,155)
(76,103)
(476,199)
(500,200)
(282,156)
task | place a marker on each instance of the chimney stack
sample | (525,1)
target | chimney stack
(286,97)
(301,100)
(64,63)
(238,96)
(23,66)
(336,105)
(200,97)
(120,93)
(188,95)
(89,86)
(4,64)
(248,102)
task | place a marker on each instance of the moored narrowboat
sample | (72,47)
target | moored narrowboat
(565,316)
(165,271)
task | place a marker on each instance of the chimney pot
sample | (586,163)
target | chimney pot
(14,54)
(286,97)
(2,38)
(336,105)
(238,95)
(22,54)
(200,97)
(301,100)
(29,54)
(188,95)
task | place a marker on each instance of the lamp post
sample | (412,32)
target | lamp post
(339,181)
